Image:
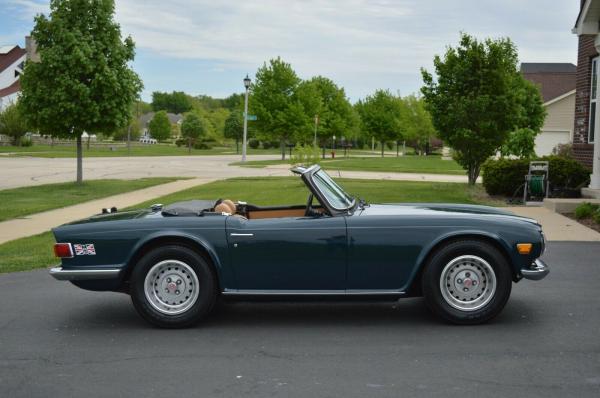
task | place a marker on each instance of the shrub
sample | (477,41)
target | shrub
(181,142)
(26,141)
(305,155)
(563,150)
(596,216)
(504,176)
(586,210)
(266,144)
(201,145)
(252,143)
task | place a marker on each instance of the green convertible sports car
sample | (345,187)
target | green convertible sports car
(176,261)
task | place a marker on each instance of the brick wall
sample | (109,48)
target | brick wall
(582,150)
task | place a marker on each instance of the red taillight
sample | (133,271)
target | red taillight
(63,250)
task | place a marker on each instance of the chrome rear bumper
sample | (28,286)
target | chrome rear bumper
(83,274)
(537,271)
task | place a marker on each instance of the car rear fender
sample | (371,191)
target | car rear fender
(178,237)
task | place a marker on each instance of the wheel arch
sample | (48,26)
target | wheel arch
(414,286)
(194,243)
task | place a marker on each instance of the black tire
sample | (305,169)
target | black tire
(448,260)
(196,267)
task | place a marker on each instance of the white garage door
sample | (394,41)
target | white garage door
(548,139)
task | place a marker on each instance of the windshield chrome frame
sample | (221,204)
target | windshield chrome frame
(307,176)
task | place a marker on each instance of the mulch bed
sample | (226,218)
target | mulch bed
(588,222)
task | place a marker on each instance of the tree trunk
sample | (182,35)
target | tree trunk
(282,149)
(237,145)
(397,148)
(382,148)
(189,146)
(88,141)
(473,173)
(79,160)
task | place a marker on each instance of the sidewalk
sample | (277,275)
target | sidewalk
(42,222)
(557,226)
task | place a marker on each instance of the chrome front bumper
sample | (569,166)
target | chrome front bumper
(537,271)
(83,274)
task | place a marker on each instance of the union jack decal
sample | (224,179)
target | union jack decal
(86,249)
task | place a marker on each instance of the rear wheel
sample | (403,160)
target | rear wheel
(467,282)
(173,287)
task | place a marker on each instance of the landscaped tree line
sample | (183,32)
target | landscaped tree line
(83,82)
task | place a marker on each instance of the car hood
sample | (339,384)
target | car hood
(437,209)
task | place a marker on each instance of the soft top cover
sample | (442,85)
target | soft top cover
(189,208)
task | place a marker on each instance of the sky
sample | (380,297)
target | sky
(208,46)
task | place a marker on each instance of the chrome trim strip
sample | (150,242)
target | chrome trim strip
(236,234)
(538,271)
(62,274)
(353,292)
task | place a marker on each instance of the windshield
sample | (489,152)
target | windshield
(332,192)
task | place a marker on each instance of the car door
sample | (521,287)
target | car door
(288,254)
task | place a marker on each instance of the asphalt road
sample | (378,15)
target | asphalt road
(56,340)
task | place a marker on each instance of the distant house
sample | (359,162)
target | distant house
(557,83)
(12,62)
(145,119)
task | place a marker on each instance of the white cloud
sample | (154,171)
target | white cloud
(362,44)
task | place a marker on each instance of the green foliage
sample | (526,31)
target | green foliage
(381,115)
(418,127)
(478,98)
(586,210)
(336,117)
(275,101)
(306,155)
(83,81)
(193,128)
(174,102)
(234,102)
(520,143)
(253,143)
(504,176)
(563,150)
(160,126)
(13,123)
(234,126)
(133,128)
(596,216)
(25,142)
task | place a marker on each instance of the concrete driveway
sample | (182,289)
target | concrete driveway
(56,340)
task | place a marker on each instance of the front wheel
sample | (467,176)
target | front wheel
(467,282)
(173,287)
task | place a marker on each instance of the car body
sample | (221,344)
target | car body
(340,247)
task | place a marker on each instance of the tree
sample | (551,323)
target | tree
(473,102)
(280,114)
(322,98)
(83,81)
(417,123)
(521,141)
(13,123)
(133,130)
(160,126)
(175,102)
(234,128)
(192,128)
(381,115)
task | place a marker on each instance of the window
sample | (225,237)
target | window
(332,192)
(593,100)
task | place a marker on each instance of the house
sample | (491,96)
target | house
(12,62)
(175,119)
(557,86)
(587,117)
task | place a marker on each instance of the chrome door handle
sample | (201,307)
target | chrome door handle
(234,234)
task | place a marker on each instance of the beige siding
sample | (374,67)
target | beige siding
(560,115)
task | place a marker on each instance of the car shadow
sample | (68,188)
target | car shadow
(411,312)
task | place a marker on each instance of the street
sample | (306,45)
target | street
(57,340)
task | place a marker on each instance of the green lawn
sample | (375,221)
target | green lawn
(119,150)
(402,164)
(19,202)
(36,251)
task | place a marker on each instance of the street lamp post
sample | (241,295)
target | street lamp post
(247,82)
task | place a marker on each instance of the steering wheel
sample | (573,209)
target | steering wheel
(309,211)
